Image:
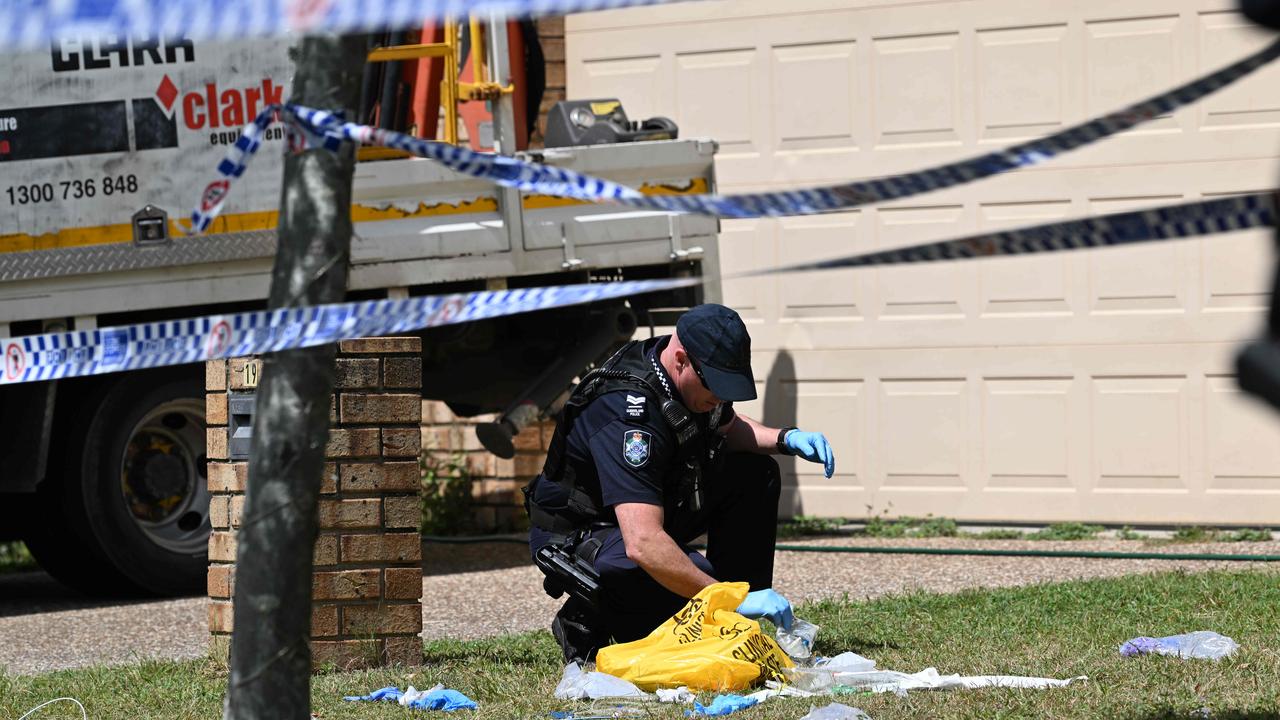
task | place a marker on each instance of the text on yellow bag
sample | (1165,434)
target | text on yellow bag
(707,646)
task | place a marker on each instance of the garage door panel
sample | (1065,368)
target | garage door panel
(828,296)
(1252,103)
(1022,82)
(836,407)
(1036,286)
(747,245)
(936,291)
(1237,272)
(923,434)
(1242,441)
(1139,434)
(1128,59)
(814,107)
(638,81)
(716,97)
(1140,279)
(1027,431)
(919,91)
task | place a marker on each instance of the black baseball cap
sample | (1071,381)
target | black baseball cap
(717,340)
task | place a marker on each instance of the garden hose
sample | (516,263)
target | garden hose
(1107,554)
(1098,554)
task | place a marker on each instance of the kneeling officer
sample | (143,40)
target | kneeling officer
(648,455)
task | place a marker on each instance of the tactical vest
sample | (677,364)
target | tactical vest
(629,369)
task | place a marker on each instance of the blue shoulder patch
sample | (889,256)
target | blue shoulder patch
(635,447)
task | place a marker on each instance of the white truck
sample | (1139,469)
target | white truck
(105,144)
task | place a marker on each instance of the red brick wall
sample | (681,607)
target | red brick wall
(495,490)
(551,35)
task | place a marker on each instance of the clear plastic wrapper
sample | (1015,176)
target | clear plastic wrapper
(847,668)
(797,643)
(577,684)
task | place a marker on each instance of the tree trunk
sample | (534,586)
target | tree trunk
(270,645)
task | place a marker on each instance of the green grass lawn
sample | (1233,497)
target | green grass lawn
(1059,630)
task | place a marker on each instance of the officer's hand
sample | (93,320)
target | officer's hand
(813,447)
(768,604)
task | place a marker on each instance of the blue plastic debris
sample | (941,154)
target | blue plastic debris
(1203,644)
(387,694)
(722,705)
(439,698)
(444,699)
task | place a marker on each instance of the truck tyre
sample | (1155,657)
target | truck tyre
(126,502)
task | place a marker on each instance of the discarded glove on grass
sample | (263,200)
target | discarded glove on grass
(437,698)
(1202,645)
(722,705)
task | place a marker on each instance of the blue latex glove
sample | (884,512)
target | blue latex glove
(812,446)
(722,705)
(445,699)
(387,694)
(767,604)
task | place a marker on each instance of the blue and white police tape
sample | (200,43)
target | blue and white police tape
(1171,222)
(33,24)
(61,355)
(321,128)
(176,342)
(547,180)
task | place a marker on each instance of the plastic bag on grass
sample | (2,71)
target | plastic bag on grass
(1202,645)
(823,674)
(577,684)
(706,646)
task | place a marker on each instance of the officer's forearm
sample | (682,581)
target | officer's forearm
(660,556)
(747,435)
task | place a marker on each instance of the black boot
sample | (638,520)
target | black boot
(578,630)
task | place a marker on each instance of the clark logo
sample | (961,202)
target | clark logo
(215,106)
(73,54)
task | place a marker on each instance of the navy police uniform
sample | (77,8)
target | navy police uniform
(615,444)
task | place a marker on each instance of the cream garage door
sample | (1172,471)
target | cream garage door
(1087,386)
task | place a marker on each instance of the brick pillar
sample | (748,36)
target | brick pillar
(367,584)
(497,504)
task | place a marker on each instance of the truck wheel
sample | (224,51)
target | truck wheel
(132,504)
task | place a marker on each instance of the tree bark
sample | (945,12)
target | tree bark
(270,644)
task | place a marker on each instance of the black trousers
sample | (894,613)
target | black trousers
(740,518)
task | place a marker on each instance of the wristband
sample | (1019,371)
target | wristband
(782,440)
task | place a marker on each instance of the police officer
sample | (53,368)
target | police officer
(648,455)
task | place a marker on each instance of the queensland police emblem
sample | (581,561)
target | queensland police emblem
(635,447)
